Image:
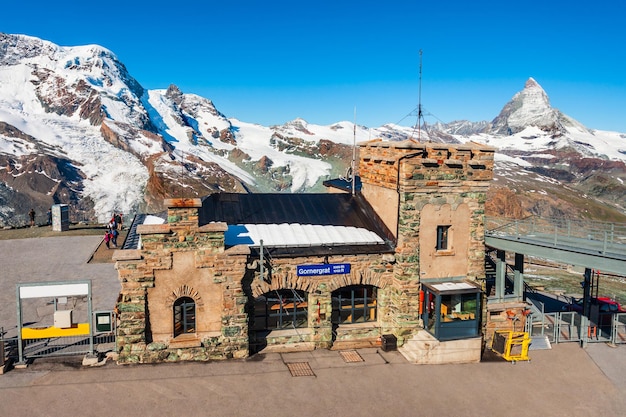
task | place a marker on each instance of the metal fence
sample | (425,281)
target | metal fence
(618,333)
(100,341)
(64,346)
(608,236)
(570,326)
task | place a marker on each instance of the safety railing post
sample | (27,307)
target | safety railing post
(556,327)
(614,322)
(584,330)
(556,234)
(612,233)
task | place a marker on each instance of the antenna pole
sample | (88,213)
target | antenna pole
(354,154)
(419,105)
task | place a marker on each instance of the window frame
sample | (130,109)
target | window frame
(348,307)
(184,316)
(443,237)
(286,309)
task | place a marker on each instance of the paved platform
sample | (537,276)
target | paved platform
(564,381)
(53,259)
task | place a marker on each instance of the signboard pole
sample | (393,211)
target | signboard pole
(90,317)
(20,348)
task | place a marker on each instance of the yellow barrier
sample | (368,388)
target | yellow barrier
(512,346)
(79,329)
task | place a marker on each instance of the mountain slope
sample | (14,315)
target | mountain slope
(77,128)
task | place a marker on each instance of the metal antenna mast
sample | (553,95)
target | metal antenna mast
(353,165)
(419,105)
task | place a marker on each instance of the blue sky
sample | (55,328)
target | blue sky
(269,62)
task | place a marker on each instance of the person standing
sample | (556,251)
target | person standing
(31,215)
(107,239)
(118,220)
(114,234)
(49,217)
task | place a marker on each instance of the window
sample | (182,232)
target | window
(281,309)
(452,309)
(458,307)
(354,304)
(184,316)
(442,237)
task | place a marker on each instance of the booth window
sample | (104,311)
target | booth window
(184,316)
(452,309)
(442,237)
(281,309)
(354,304)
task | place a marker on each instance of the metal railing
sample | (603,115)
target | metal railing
(607,236)
(61,345)
(570,326)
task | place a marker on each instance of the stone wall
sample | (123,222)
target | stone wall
(152,281)
(182,259)
(372,269)
(434,184)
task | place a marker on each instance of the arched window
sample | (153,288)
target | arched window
(354,304)
(281,309)
(184,316)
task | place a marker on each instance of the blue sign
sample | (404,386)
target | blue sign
(324,269)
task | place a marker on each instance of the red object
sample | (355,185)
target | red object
(606,305)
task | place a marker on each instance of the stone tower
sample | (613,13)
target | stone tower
(431,196)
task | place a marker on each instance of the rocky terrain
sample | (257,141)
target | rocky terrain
(76,128)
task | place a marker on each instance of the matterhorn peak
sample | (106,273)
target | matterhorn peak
(531,83)
(529,107)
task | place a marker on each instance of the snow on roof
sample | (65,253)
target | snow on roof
(460,287)
(298,235)
(450,286)
(150,219)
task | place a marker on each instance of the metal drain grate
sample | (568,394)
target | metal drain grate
(300,369)
(351,356)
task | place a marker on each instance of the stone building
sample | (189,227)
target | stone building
(403,257)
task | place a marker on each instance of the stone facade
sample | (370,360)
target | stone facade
(181,259)
(417,187)
(414,187)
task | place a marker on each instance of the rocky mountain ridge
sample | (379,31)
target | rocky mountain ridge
(77,128)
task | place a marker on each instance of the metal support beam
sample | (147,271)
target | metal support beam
(500,274)
(587,293)
(518,278)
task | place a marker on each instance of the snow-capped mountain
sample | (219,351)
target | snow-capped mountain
(551,161)
(529,107)
(77,128)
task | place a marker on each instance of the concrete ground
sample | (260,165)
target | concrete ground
(564,381)
(52,259)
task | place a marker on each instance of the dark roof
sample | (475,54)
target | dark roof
(344,184)
(340,209)
(328,209)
